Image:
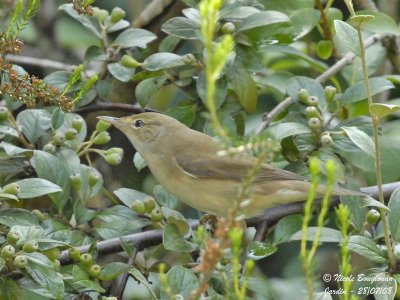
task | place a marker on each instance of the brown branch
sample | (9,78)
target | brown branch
(39,62)
(151,12)
(271,216)
(113,107)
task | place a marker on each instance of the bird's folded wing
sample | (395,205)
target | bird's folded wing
(225,168)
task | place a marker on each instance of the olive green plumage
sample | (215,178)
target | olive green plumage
(186,163)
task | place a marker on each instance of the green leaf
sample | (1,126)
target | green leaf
(181,281)
(184,114)
(394,214)
(183,28)
(328,235)
(127,196)
(81,278)
(9,289)
(28,233)
(134,37)
(89,23)
(8,131)
(113,270)
(140,278)
(361,139)
(347,35)
(163,60)
(358,92)
(382,23)
(58,79)
(301,26)
(35,187)
(164,198)
(34,123)
(51,168)
(46,276)
(17,216)
(366,248)
(263,18)
(172,240)
(368,201)
(283,130)
(382,110)
(258,250)
(139,162)
(244,87)
(286,227)
(146,88)
(57,118)
(120,72)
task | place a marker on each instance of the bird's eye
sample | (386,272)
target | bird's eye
(138,123)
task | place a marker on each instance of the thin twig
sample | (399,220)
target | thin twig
(39,62)
(125,277)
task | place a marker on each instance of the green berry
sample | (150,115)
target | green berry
(30,246)
(228,28)
(7,251)
(12,188)
(13,237)
(330,93)
(138,206)
(94,178)
(52,254)
(74,253)
(313,101)
(86,259)
(39,215)
(129,62)
(113,159)
(102,138)
(76,181)
(373,216)
(4,113)
(326,139)
(149,204)
(303,95)
(70,133)
(100,14)
(102,126)
(58,139)
(314,123)
(77,123)
(188,58)
(20,261)
(312,112)
(56,265)
(117,14)
(156,215)
(50,148)
(95,270)
(117,150)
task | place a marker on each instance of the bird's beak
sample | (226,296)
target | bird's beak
(107,119)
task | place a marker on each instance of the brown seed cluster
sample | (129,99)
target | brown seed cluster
(10,46)
(82,8)
(30,90)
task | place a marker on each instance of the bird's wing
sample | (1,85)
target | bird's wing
(225,168)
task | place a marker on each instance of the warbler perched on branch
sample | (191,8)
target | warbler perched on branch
(187,164)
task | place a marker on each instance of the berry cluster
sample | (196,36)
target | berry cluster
(31,90)
(9,45)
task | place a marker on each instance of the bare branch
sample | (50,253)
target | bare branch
(39,62)
(152,11)
(271,216)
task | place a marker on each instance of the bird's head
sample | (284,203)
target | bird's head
(146,130)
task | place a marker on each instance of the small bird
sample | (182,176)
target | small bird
(186,163)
